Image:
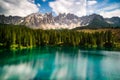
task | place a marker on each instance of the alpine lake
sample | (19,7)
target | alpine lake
(59,63)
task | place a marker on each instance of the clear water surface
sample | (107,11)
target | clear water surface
(59,63)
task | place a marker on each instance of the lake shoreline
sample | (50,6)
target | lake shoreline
(62,46)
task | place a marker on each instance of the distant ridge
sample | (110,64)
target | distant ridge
(62,21)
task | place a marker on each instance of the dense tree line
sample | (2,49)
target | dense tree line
(17,36)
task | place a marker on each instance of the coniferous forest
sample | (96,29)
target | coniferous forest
(19,36)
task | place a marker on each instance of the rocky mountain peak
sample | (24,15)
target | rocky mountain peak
(10,19)
(63,20)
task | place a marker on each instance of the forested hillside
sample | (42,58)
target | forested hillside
(17,36)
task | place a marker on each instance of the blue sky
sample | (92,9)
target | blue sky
(44,5)
(106,8)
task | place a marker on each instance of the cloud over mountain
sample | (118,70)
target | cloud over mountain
(106,8)
(77,7)
(111,10)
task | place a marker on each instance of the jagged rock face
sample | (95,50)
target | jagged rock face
(47,21)
(86,20)
(114,20)
(10,19)
(36,20)
(69,21)
(98,21)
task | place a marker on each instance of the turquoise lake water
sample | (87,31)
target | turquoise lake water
(59,63)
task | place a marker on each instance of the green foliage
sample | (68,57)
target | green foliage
(18,36)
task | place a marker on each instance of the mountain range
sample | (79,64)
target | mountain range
(62,21)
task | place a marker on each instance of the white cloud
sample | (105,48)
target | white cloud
(110,13)
(44,0)
(110,10)
(103,8)
(38,5)
(77,7)
(91,6)
(111,7)
(92,2)
(32,1)
(17,7)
